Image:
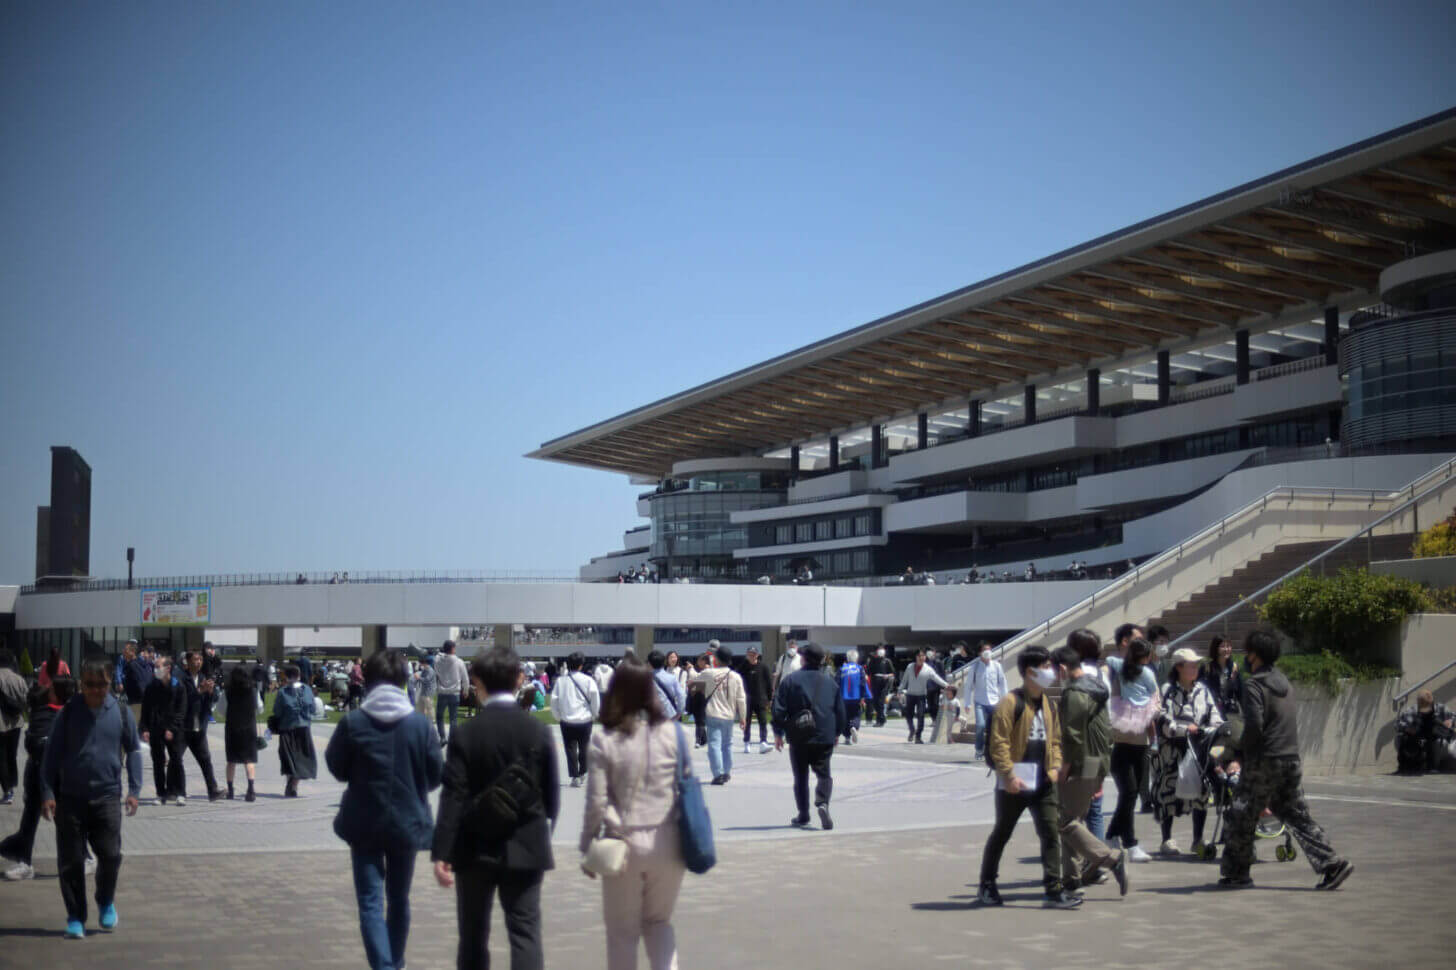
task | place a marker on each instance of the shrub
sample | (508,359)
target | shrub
(1438,540)
(1443,599)
(1325,670)
(1343,614)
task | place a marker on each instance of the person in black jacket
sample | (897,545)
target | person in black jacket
(199,689)
(812,738)
(45,704)
(163,705)
(480,852)
(758,687)
(1272,774)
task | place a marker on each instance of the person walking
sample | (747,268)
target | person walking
(758,691)
(386,756)
(631,794)
(198,690)
(13,705)
(260,679)
(575,704)
(788,662)
(1086,758)
(882,681)
(1025,749)
(809,711)
(1273,774)
(985,686)
(53,667)
(1133,711)
(725,704)
(80,776)
(670,695)
(1188,712)
(44,704)
(913,684)
(136,677)
(293,713)
(854,688)
(481,852)
(697,702)
(451,684)
(164,707)
(426,689)
(240,730)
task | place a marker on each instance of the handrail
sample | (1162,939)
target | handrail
(1367,530)
(1417,686)
(1132,576)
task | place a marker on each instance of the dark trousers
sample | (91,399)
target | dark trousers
(1150,757)
(760,712)
(804,758)
(196,742)
(1279,784)
(1418,752)
(852,715)
(1130,772)
(520,897)
(446,701)
(167,763)
(915,714)
(576,737)
(9,764)
(1044,810)
(877,701)
(79,822)
(19,845)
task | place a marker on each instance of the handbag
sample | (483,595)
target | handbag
(1190,778)
(606,855)
(694,824)
(262,743)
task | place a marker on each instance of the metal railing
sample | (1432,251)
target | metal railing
(306,579)
(1398,698)
(1291,367)
(1367,533)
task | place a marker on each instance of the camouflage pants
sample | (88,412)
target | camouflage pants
(1275,783)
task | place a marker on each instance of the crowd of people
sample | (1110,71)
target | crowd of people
(1133,711)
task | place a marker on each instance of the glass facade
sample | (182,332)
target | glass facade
(1400,380)
(692,531)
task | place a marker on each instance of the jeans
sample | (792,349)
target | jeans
(720,746)
(915,715)
(1044,813)
(1129,770)
(983,727)
(447,701)
(802,759)
(78,822)
(576,738)
(380,877)
(1096,823)
(760,712)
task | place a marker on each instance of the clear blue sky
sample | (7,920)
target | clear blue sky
(303,282)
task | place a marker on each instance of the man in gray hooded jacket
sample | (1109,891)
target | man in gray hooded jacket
(1273,774)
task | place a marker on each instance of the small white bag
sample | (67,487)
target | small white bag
(1190,778)
(605,856)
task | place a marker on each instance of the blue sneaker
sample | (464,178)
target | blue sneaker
(108,916)
(74,930)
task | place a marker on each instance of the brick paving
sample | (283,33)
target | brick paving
(231,885)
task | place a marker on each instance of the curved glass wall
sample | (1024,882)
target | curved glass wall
(691,532)
(1401,376)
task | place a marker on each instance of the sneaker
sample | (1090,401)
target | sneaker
(1119,872)
(1169,847)
(74,930)
(764,747)
(214,796)
(1136,854)
(8,798)
(1061,900)
(800,823)
(988,896)
(181,800)
(90,867)
(824,820)
(18,872)
(1236,882)
(718,780)
(854,735)
(1336,874)
(1098,878)
(108,917)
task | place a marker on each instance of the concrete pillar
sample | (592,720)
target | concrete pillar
(192,638)
(922,431)
(1165,377)
(1029,403)
(1241,356)
(834,452)
(270,644)
(877,445)
(771,645)
(373,637)
(1332,335)
(973,426)
(505,635)
(644,641)
(1094,391)
(794,463)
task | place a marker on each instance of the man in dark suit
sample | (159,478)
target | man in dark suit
(199,690)
(164,703)
(479,851)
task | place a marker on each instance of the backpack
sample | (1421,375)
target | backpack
(9,706)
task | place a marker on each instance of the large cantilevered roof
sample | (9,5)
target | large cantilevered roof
(1313,235)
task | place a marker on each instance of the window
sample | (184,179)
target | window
(783,535)
(843,527)
(864,524)
(823,529)
(841,563)
(804,532)
(861,560)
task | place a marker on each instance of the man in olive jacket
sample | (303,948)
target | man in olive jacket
(1086,758)
(1025,748)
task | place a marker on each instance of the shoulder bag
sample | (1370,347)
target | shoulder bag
(694,824)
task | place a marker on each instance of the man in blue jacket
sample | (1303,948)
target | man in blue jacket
(386,753)
(81,789)
(809,710)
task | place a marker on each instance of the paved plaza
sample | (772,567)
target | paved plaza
(255,886)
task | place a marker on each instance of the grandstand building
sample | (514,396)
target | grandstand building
(1097,405)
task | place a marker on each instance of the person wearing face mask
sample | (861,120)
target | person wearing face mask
(915,684)
(1086,757)
(1133,710)
(1161,640)
(1188,712)
(788,663)
(1025,749)
(985,686)
(882,678)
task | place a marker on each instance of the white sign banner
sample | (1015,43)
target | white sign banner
(177,607)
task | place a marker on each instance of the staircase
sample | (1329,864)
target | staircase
(1255,575)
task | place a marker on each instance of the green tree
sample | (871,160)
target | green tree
(1344,614)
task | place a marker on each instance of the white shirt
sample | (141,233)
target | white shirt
(988,682)
(603,675)
(787,664)
(450,677)
(575,698)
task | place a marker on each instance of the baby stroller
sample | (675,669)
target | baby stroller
(1215,754)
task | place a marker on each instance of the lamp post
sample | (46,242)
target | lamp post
(130,558)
